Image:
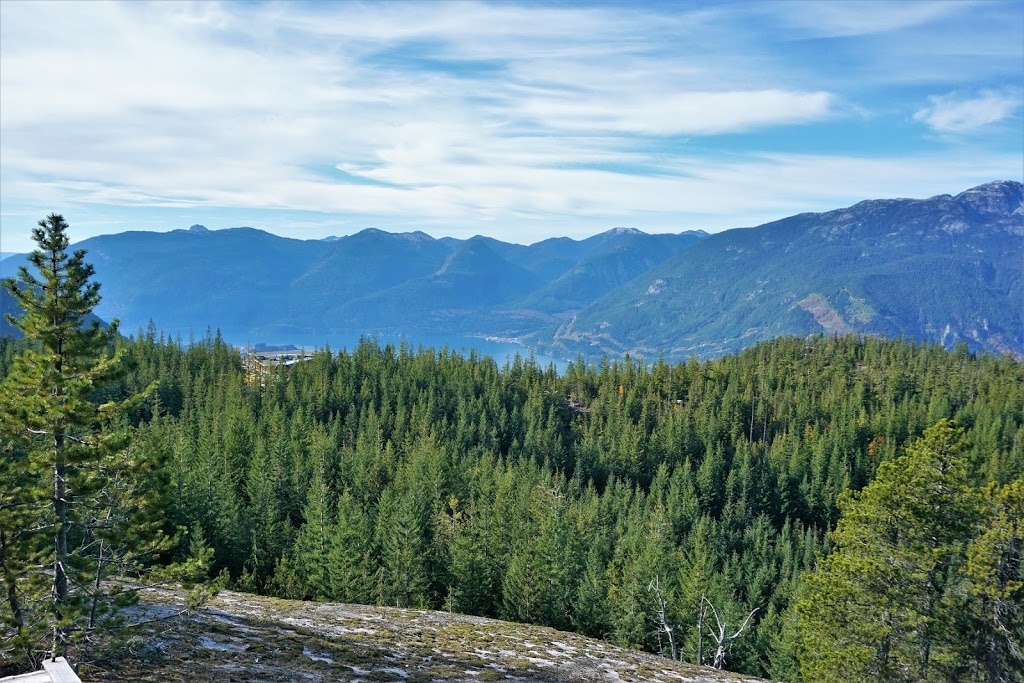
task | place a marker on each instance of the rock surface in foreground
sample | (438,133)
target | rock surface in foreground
(241,637)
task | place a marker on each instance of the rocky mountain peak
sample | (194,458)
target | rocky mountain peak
(1002,197)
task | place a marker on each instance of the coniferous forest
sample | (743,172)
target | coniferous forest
(850,507)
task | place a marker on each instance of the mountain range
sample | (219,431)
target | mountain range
(948,269)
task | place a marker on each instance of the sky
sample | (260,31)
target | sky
(520,121)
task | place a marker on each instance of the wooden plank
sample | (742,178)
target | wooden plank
(60,671)
(34,677)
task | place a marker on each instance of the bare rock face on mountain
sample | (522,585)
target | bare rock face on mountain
(241,637)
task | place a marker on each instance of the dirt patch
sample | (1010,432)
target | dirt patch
(825,315)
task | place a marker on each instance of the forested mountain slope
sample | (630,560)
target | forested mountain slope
(7,304)
(255,286)
(193,279)
(945,269)
(602,272)
(424,479)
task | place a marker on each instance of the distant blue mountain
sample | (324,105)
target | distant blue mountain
(8,304)
(251,284)
(947,269)
(602,270)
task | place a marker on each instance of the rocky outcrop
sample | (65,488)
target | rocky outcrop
(240,637)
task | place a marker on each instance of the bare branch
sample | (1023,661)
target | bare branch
(724,641)
(746,622)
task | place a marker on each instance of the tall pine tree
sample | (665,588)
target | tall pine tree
(71,498)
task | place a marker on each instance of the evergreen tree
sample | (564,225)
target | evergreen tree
(74,498)
(348,554)
(724,485)
(696,573)
(304,574)
(402,576)
(591,611)
(875,609)
(995,568)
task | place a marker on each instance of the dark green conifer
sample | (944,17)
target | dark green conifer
(78,501)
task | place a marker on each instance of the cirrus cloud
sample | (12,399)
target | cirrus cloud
(515,119)
(957,113)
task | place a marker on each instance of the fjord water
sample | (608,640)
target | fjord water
(502,351)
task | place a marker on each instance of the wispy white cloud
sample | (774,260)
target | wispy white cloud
(957,113)
(867,47)
(522,117)
(465,110)
(675,113)
(844,18)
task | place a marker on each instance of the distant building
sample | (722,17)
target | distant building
(262,366)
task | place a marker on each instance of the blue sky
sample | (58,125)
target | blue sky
(516,120)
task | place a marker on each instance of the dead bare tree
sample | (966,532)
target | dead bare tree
(661,612)
(700,628)
(725,641)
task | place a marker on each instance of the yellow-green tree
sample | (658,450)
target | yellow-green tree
(877,607)
(995,568)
